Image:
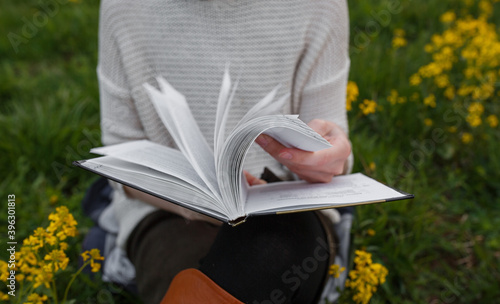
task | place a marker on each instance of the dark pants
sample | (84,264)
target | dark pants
(267,259)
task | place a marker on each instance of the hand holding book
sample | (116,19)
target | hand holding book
(319,166)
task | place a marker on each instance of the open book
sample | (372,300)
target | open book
(212,181)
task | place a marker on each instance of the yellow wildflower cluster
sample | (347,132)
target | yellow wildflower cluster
(35,299)
(43,252)
(365,278)
(43,255)
(395,98)
(4,296)
(467,138)
(94,255)
(368,106)
(475,110)
(492,120)
(352,93)
(430,101)
(448,17)
(399,39)
(335,270)
(370,232)
(469,52)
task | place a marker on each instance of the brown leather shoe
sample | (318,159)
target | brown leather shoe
(191,286)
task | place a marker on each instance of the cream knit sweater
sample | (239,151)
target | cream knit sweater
(301,45)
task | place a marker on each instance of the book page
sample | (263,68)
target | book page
(296,134)
(158,157)
(167,187)
(345,190)
(267,106)
(288,129)
(179,121)
(223,106)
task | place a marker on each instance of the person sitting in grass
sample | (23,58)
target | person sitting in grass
(174,253)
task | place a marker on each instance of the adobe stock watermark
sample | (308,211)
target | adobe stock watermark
(425,148)
(90,139)
(297,274)
(454,117)
(11,245)
(362,37)
(31,26)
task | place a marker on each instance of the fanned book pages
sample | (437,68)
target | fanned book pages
(212,181)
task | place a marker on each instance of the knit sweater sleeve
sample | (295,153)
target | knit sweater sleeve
(323,93)
(119,119)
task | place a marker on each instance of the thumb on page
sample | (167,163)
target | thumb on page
(252,180)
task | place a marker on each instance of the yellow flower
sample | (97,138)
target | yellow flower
(380,272)
(465,90)
(352,93)
(4,271)
(486,8)
(476,108)
(370,232)
(467,138)
(393,98)
(372,166)
(470,72)
(437,40)
(448,17)
(441,81)
(430,70)
(28,256)
(428,48)
(62,224)
(430,101)
(492,121)
(368,106)
(94,267)
(365,278)
(93,255)
(484,91)
(449,92)
(362,258)
(335,270)
(399,39)
(428,122)
(415,80)
(39,238)
(63,245)
(58,259)
(474,120)
(42,276)
(3,296)
(398,42)
(53,199)
(36,299)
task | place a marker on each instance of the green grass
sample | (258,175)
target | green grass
(441,247)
